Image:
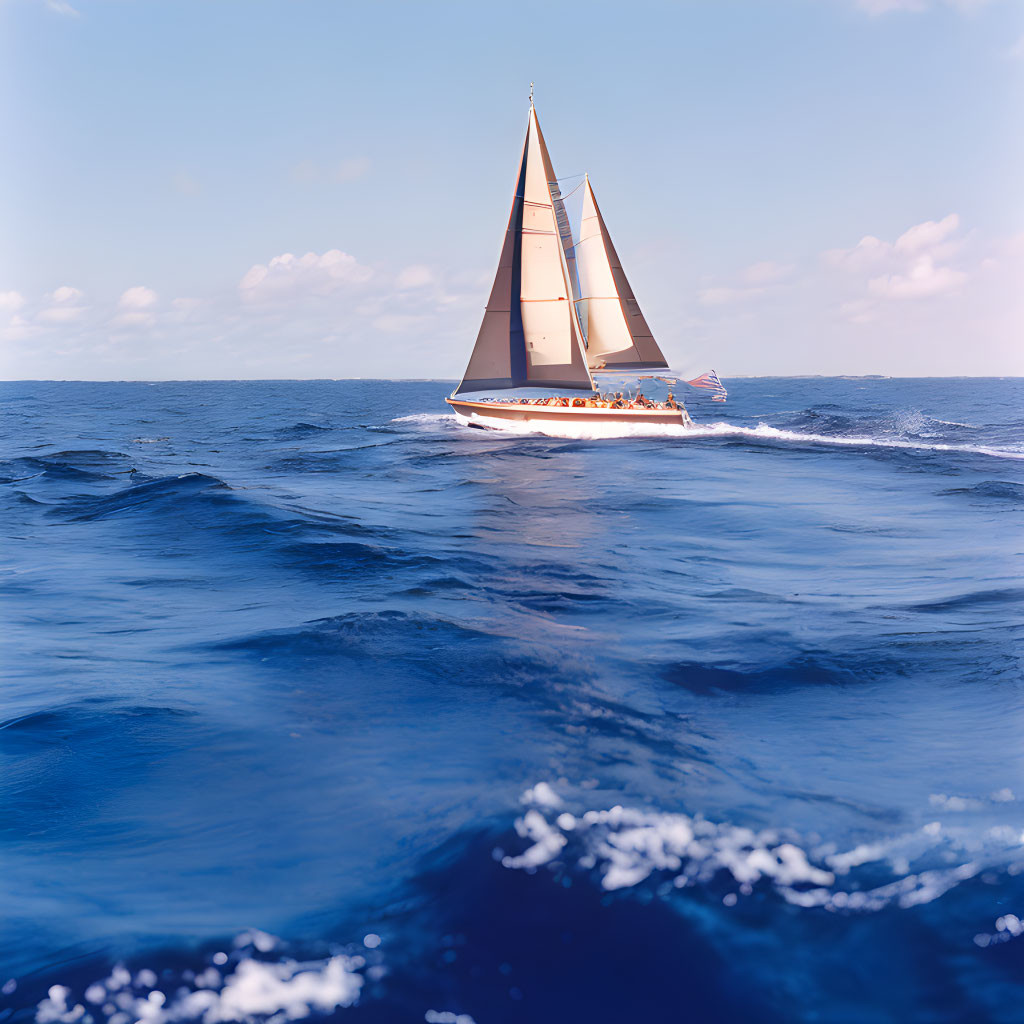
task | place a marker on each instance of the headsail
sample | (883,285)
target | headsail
(530,336)
(618,337)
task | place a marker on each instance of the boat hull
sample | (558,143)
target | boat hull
(541,414)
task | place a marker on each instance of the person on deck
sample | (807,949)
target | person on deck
(670,402)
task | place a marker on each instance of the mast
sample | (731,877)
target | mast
(618,337)
(530,335)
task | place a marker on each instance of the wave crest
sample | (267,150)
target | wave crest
(241,986)
(628,845)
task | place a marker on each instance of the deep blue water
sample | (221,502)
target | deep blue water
(724,727)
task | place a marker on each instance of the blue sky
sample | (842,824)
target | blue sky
(314,189)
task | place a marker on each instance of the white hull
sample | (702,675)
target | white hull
(547,414)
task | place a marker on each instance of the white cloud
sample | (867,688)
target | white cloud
(922,237)
(60,7)
(60,314)
(19,329)
(932,298)
(11,301)
(922,279)
(869,251)
(900,305)
(908,268)
(287,276)
(416,276)
(138,297)
(312,315)
(65,293)
(756,280)
(64,306)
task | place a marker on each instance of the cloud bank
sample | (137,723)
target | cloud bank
(935,298)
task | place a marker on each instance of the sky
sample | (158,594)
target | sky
(303,189)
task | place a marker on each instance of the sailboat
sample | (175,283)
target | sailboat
(560,311)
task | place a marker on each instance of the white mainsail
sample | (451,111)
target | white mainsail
(617,334)
(530,335)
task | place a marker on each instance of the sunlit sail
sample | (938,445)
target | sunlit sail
(530,336)
(617,334)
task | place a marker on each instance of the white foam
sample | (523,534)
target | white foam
(542,795)
(762,432)
(953,803)
(431,419)
(628,845)
(447,1017)
(246,992)
(55,1007)
(547,841)
(261,989)
(263,941)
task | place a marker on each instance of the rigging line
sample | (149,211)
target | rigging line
(570,192)
(581,239)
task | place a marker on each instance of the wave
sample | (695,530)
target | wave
(799,671)
(481,653)
(78,465)
(244,985)
(627,846)
(1000,489)
(302,429)
(142,495)
(762,432)
(1011,597)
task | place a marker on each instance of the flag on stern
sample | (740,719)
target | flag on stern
(709,382)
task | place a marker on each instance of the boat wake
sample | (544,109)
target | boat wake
(721,429)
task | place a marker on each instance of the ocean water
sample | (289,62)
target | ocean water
(317,703)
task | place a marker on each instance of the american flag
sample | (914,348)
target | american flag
(709,382)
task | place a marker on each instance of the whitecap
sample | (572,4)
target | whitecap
(626,846)
(246,991)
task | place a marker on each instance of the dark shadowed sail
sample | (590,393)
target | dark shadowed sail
(530,336)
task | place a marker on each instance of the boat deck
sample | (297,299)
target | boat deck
(517,413)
